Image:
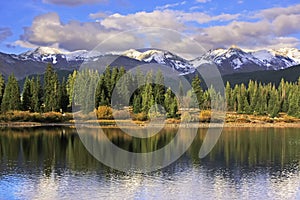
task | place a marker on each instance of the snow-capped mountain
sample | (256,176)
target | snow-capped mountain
(162,57)
(235,60)
(229,61)
(52,55)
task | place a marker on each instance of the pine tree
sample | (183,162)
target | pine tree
(294,104)
(283,92)
(173,107)
(169,100)
(107,81)
(234,98)
(51,90)
(11,97)
(147,94)
(159,89)
(253,95)
(240,100)
(137,103)
(64,98)
(198,91)
(27,95)
(114,77)
(70,86)
(123,90)
(100,97)
(37,95)
(274,103)
(103,99)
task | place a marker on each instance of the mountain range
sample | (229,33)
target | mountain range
(229,61)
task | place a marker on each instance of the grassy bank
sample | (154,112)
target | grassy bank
(24,118)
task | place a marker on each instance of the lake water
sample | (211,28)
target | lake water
(246,163)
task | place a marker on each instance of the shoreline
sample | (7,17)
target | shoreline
(167,125)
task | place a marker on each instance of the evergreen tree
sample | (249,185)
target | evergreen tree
(70,86)
(107,81)
(173,107)
(51,90)
(274,103)
(137,103)
(234,98)
(11,97)
(283,93)
(159,89)
(27,95)
(240,100)
(169,101)
(100,93)
(294,104)
(147,94)
(114,77)
(253,95)
(198,91)
(37,95)
(63,97)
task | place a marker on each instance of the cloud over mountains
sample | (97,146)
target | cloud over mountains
(269,28)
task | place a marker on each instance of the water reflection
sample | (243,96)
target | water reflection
(246,163)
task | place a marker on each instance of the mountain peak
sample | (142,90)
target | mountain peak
(40,51)
(138,55)
(47,51)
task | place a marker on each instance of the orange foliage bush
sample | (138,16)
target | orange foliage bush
(104,112)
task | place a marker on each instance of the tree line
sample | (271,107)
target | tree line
(34,97)
(264,99)
(88,89)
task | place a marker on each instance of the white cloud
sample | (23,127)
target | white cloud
(47,30)
(203,1)
(287,24)
(167,18)
(285,21)
(73,2)
(167,6)
(250,35)
(272,13)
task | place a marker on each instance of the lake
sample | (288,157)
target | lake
(246,163)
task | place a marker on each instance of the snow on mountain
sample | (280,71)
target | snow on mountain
(48,54)
(237,60)
(77,55)
(41,54)
(46,51)
(162,57)
(292,53)
(228,61)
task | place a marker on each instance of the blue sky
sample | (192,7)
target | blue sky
(81,24)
